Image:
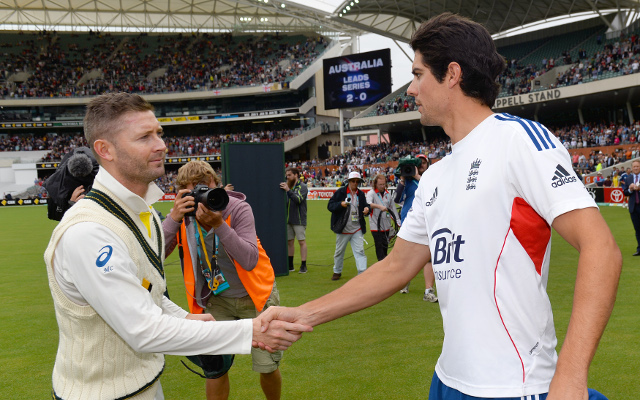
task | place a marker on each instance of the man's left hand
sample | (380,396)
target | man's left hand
(565,389)
(207,218)
(366,211)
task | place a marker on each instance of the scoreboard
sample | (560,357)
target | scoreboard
(356,80)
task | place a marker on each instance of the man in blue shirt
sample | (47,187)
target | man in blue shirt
(405,192)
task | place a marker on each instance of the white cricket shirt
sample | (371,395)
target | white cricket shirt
(485,212)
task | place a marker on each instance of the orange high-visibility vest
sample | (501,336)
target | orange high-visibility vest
(258,282)
(187,271)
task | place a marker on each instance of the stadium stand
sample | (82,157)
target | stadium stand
(177,146)
(572,136)
(52,64)
(586,54)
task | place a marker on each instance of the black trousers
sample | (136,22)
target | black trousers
(635,218)
(381,242)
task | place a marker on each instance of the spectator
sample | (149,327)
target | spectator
(382,209)
(348,207)
(296,216)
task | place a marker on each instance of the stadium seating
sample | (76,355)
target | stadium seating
(592,58)
(177,146)
(396,102)
(51,64)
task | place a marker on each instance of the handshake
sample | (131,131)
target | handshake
(277,328)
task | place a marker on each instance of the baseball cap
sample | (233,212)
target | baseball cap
(422,156)
(354,175)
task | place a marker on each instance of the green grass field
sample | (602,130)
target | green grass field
(385,352)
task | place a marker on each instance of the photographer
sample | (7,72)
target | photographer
(405,193)
(348,207)
(382,209)
(223,271)
(406,189)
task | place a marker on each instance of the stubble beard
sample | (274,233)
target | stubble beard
(143,174)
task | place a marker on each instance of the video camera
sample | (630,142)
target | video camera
(77,168)
(214,199)
(408,166)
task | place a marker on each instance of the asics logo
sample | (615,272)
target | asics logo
(104,256)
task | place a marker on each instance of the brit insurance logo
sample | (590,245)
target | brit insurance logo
(433,199)
(561,176)
(447,247)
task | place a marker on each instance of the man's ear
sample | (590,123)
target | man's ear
(104,149)
(454,74)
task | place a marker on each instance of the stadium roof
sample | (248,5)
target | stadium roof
(399,18)
(166,15)
(396,19)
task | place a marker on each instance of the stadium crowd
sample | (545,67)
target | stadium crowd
(618,58)
(367,160)
(177,146)
(573,137)
(97,63)
(614,58)
(373,159)
(402,103)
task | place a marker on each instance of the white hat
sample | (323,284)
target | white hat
(354,175)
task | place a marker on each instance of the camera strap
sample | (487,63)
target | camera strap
(210,270)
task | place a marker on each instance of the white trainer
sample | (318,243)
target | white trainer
(430,296)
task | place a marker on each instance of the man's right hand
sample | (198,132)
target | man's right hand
(78,193)
(284,186)
(272,334)
(182,205)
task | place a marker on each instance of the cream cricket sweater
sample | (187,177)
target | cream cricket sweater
(93,362)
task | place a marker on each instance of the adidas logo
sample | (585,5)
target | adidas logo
(561,176)
(433,198)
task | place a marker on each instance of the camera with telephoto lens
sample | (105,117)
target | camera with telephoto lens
(215,199)
(408,166)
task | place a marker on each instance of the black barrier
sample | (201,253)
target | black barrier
(256,169)
(597,193)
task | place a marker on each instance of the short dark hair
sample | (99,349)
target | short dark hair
(449,38)
(103,117)
(293,170)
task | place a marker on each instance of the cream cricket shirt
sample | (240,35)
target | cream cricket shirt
(118,297)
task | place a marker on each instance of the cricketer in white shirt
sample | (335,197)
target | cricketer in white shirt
(486,218)
(145,327)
